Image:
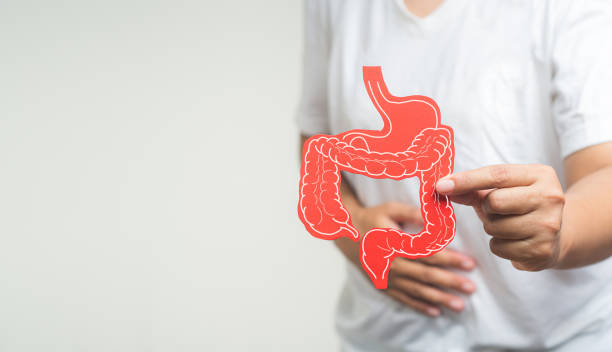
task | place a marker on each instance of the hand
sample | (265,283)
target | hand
(420,284)
(520,206)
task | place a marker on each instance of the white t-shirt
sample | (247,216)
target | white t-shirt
(520,81)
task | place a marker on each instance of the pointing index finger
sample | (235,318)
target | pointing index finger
(489,177)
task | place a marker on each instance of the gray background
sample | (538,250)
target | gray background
(148,180)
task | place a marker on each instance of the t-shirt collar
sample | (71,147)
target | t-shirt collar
(435,20)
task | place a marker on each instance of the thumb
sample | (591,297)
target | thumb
(401,212)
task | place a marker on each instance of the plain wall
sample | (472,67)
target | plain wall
(148,180)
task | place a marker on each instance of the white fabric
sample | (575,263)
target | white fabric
(520,81)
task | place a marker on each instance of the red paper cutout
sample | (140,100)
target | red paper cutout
(412,143)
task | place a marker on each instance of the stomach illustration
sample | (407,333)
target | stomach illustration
(412,143)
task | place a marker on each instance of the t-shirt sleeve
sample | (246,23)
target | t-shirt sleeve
(312,112)
(582,74)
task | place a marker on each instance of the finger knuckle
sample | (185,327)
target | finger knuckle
(530,266)
(551,224)
(432,295)
(493,246)
(409,286)
(537,267)
(546,169)
(440,257)
(427,274)
(436,276)
(447,279)
(488,227)
(500,174)
(495,201)
(555,196)
(544,250)
(496,248)
(519,266)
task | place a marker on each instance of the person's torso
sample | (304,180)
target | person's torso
(487,65)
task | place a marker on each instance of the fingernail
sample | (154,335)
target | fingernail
(445,185)
(467,264)
(467,286)
(456,304)
(433,311)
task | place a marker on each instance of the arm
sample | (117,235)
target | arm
(532,222)
(421,285)
(586,230)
